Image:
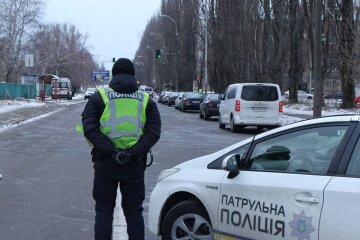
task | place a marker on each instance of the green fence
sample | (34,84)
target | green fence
(13,91)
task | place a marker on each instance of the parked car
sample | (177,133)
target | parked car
(171,98)
(301,95)
(178,99)
(333,95)
(89,92)
(161,96)
(357,101)
(150,91)
(210,106)
(299,181)
(251,104)
(165,98)
(191,101)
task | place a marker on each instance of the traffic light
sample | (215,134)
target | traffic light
(157,53)
(114,60)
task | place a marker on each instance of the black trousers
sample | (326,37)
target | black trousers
(133,193)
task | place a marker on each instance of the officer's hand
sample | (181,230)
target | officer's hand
(121,157)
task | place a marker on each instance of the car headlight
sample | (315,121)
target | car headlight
(167,172)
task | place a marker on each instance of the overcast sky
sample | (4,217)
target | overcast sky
(114,27)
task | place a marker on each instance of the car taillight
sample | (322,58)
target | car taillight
(237,106)
(281,104)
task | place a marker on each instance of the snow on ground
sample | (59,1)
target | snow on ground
(332,107)
(10,105)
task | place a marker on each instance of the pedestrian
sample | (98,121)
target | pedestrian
(122,124)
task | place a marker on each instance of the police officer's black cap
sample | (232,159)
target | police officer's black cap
(123,66)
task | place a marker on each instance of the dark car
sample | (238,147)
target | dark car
(210,106)
(171,98)
(165,98)
(191,101)
(161,95)
(333,95)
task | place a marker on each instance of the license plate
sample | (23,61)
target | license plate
(195,102)
(259,109)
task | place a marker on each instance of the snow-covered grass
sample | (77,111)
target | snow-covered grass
(10,105)
(332,107)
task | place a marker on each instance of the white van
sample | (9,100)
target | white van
(61,88)
(251,104)
(147,89)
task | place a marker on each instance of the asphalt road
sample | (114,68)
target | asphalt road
(46,191)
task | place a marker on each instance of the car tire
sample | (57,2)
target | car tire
(309,98)
(206,116)
(221,125)
(233,127)
(200,114)
(186,214)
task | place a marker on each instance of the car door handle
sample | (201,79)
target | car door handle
(313,200)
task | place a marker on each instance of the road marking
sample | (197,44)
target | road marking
(119,222)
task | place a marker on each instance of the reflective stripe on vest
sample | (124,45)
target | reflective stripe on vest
(116,104)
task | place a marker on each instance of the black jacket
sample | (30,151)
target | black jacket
(103,147)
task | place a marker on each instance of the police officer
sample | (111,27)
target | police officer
(122,124)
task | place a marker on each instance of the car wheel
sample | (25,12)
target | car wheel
(233,127)
(187,220)
(206,116)
(221,125)
(309,98)
(200,115)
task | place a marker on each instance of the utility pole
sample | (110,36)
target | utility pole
(206,47)
(317,60)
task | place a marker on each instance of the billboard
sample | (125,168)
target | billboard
(100,75)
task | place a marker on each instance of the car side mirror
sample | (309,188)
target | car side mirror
(222,97)
(231,164)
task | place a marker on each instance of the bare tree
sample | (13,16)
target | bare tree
(61,49)
(17,19)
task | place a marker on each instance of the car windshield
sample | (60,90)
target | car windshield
(148,89)
(175,94)
(259,93)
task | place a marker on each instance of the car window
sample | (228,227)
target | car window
(304,151)
(231,93)
(353,170)
(242,151)
(259,93)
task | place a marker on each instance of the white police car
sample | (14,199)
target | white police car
(300,181)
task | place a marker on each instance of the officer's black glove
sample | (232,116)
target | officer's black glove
(121,157)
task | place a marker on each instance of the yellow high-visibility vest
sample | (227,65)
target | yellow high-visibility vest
(124,116)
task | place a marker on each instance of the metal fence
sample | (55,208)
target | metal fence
(13,91)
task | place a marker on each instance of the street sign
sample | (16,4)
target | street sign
(100,75)
(29,60)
